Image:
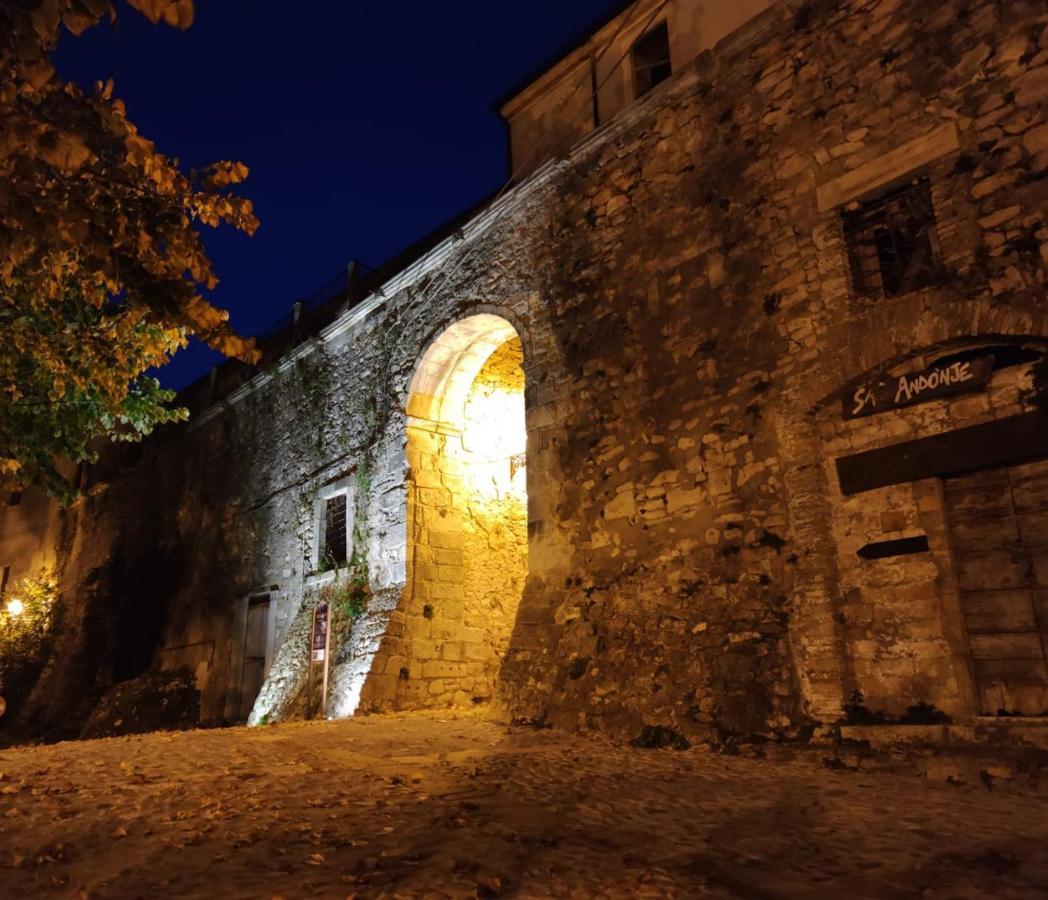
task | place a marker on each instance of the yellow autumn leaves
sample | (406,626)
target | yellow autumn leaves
(102,269)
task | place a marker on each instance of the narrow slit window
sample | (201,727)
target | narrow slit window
(891,241)
(651,59)
(334,548)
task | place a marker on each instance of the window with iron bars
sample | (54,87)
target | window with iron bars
(334,550)
(891,240)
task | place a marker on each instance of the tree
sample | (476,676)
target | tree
(102,269)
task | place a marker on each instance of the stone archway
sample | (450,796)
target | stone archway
(467,512)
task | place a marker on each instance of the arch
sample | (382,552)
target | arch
(466,512)
(449,366)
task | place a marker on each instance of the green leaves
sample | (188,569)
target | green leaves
(73,373)
(103,273)
(27,620)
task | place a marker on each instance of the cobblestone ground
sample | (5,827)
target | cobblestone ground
(456,806)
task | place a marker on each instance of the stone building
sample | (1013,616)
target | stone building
(723,418)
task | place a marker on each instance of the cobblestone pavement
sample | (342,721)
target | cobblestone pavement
(456,806)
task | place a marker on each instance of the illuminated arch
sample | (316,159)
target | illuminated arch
(467,511)
(449,367)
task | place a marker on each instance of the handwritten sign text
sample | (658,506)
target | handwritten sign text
(895,391)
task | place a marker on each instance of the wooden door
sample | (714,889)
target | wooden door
(256,642)
(999,531)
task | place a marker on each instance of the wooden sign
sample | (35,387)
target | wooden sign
(1002,442)
(320,652)
(896,391)
(320,632)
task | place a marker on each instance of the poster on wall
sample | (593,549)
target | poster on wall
(320,631)
(896,391)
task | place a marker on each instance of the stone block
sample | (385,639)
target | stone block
(621,507)
(892,165)
(442,669)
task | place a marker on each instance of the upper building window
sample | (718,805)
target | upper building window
(891,241)
(651,60)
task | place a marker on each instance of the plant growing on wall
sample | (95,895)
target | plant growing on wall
(27,619)
(348,597)
(327,564)
(102,269)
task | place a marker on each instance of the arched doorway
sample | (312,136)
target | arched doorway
(467,512)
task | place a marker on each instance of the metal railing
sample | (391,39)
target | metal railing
(306,318)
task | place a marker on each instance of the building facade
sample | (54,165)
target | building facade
(725,419)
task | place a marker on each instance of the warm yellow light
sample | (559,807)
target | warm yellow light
(495,438)
(495,424)
(15,607)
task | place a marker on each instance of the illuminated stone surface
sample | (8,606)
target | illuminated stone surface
(681,290)
(452,806)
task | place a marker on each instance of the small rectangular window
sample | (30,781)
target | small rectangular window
(651,59)
(5,573)
(334,548)
(891,241)
(14,498)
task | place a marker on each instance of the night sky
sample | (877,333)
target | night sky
(365,125)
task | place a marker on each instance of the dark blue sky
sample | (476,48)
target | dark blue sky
(365,125)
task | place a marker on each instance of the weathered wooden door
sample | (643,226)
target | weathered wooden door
(999,529)
(256,643)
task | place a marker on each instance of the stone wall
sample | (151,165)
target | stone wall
(706,588)
(900,616)
(558,109)
(681,290)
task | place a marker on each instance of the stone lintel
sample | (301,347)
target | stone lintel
(892,166)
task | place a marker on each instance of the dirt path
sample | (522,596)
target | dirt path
(454,806)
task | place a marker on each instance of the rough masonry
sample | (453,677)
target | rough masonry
(678,297)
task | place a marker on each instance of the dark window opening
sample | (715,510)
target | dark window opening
(334,551)
(891,241)
(651,60)
(14,498)
(5,573)
(898,547)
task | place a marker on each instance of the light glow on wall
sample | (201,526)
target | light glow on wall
(495,439)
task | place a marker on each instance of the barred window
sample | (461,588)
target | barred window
(334,548)
(651,59)
(891,241)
